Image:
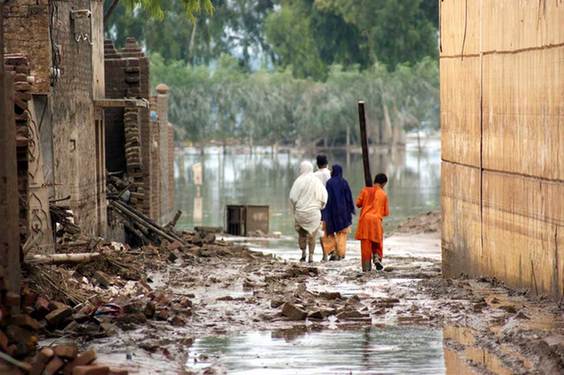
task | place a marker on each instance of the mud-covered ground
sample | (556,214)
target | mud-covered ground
(228,290)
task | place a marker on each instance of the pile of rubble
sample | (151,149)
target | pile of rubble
(93,290)
(62,359)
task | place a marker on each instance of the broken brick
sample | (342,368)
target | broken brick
(66,351)
(91,370)
(293,312)
(3,342)
(40,361)
(118,371)
(54,365)
(103,279)
(58,316)
(83,359)
(26,321)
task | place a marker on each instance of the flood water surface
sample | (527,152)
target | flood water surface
(373,350)
(266,179)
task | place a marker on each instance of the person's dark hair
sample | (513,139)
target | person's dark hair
(380,178)
(321,161)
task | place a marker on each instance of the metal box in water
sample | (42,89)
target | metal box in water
(246,220)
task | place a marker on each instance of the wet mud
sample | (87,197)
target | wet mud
(225,295)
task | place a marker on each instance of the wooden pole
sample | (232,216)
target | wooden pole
(364,144)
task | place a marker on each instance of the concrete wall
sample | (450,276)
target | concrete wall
(502,123)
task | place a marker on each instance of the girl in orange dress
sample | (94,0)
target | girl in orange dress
(373,201)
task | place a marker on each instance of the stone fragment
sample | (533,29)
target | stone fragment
(293,312)
(177,321)
(58,316)
(330,295)
(91,370)
(40,361)
(83,359)
(172,257)
(103,279)
(352,314)
(3,342)
(275,303)
(54,365)
(66,351)
(24,320)
(163,314)
(149,310)
(174,246)
(41,307)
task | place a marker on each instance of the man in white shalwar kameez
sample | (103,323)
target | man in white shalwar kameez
(308,197)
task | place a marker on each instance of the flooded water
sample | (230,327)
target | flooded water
(266,179)
(373,350)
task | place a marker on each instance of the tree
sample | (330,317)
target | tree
(155,7)
(236,28)
(393,31)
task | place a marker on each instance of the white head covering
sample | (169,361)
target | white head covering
(306,167)
(307,197)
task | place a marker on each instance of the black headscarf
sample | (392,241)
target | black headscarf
(337,215)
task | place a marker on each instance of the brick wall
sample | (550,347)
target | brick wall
(9,239)
(130,139)
(53,40)
(26,29)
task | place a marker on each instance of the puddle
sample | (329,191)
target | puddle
(389,350)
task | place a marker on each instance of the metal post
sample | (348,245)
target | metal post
(364,144)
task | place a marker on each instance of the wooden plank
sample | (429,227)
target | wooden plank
(120,103)
(460,110)
(523,104)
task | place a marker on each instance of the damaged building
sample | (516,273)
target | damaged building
(83,115)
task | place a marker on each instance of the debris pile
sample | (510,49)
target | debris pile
(140,228)
(63,359)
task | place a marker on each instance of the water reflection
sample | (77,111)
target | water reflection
(389,350)
(266,179)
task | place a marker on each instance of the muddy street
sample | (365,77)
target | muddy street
(256,313)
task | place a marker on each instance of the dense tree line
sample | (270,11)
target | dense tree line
(288,71)
(227,103)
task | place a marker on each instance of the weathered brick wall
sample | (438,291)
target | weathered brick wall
(18,66)
(54,42)
(26,29)
(502,100)
(129,138)
(9,239)
(72,108)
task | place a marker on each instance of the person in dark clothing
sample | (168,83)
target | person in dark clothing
(337,215)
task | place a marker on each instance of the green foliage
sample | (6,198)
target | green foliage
(351,32)
(235,28)
(227,103)
(155,8)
